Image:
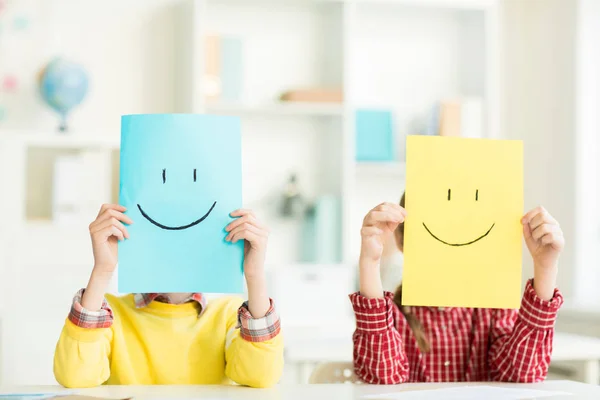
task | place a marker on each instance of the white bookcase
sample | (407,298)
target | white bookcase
(402,55)
(44,261)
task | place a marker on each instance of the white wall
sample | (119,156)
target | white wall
(538,103)
(126,46)
(587,143)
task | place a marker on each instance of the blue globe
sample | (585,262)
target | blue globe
(63,86)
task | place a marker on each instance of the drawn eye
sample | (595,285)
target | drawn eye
(449,194)
(477,195)
(164,175)
(194,174)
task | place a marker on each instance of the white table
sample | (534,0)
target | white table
(306,347)
(297,392)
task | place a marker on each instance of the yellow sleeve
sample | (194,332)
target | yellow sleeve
(256,363)
(82,356)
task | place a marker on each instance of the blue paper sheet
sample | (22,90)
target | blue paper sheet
(180,179)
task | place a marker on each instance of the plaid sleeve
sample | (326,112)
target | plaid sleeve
(373,315)
(538,313)
(379,353)
(521,342)
(258,329)
(83,318)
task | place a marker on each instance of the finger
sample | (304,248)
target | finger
(371,231)
(246,227)
(553,239)
(391,207)
(383,216)
(542,230)
(542,218)
(246,219)
(117,233)
(241,212)
(548,238)
(109,231)
(532,213)
(527,232)
(111,213)
(111,222)
(246,235)
(107,206)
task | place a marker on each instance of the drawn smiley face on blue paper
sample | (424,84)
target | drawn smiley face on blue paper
(178,227)
(180,179)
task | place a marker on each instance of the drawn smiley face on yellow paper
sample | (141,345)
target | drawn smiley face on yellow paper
(462,244)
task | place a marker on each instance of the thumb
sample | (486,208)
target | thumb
(527,232)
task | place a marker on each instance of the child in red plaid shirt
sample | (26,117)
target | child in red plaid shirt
(395,344)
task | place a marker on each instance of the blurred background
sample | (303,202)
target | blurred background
(327,91)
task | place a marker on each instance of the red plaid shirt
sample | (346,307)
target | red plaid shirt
(251,329)
(467,344)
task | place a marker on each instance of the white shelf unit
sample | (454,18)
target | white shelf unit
(400,55)
(42,261)
(277,109)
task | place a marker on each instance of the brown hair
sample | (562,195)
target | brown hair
(413,322)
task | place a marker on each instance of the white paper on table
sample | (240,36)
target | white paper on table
(469,393)
(33,396)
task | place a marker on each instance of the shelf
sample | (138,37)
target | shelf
(48,226)
(75,142)
(278,109)
(63,141)
(393,169)
(282,2)
(448,4)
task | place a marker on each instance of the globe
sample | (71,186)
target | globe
(63,85)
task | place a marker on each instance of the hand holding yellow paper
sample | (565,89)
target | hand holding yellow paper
(462,244)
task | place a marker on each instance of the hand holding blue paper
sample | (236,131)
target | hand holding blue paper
(255,234)
(180,179)
(106,230)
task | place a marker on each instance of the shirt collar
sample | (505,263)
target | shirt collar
(142,300)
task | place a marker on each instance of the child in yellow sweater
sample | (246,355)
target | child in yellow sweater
(170,338)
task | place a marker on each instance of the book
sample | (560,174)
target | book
(450,118)
(463,117)
(375,139)
(223,68)
(316,95)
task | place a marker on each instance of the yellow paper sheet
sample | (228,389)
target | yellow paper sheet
(462,244)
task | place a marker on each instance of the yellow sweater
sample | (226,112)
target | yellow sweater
(166,344)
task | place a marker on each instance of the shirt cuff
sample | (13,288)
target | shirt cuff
(373,315)
(538,313)
(258,329)
(83,318)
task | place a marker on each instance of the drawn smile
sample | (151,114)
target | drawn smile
(176,228)
(459,244)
